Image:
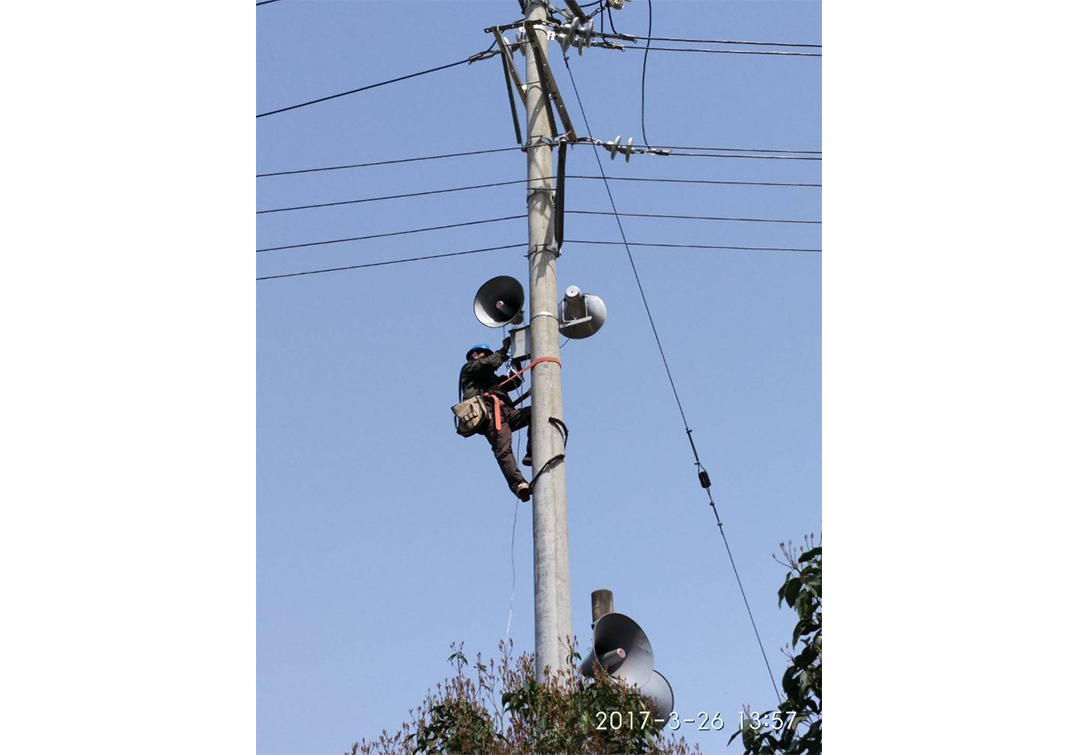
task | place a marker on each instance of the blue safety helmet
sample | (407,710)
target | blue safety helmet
(478,347)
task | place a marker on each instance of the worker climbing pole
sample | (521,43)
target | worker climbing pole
(484,401)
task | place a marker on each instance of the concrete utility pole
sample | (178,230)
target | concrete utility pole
(551,559)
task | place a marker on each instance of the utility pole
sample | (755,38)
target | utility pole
(551,558)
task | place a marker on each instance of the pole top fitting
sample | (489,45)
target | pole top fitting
(603,603)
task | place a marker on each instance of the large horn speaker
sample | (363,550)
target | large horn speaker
(624,652)
(581,315)
(622,648)
(658,692)
(499,302)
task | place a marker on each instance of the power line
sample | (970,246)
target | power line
(436,192)
(390,162)
(741,149)
(693,246)
(703,181)
(702,474)
(691,217)
(690,181)
(385,235)
(645,69)
(393,196)
(512,246)
(516,183)
(265,2)
(782,152)
(370,86)
(738,157)
(389,262)
(724,42)
(731,52)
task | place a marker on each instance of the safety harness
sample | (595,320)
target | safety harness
(558,423)
(497,402)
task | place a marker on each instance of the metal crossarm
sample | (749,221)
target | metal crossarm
(550,88)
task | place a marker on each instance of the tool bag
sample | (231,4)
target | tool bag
(470,416)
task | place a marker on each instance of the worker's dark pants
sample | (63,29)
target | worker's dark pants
(502,441)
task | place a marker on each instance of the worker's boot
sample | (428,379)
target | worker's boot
(522,491)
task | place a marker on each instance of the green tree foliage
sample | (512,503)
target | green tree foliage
(500,708)
(800,713)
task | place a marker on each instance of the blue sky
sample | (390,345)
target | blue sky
(382,536)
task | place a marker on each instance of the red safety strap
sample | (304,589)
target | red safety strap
(495,399)
(529,366)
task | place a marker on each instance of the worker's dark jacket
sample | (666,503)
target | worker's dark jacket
(478,376)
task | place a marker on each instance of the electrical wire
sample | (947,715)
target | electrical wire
(518,149)
(567,241)
(611,21)
(650,38)
(394,196)
(513,566)
(691,217)
(731,52)
(265,2)
(703,181)
(741,149)
(644,64)
(393,233)
(526,180)
(393,162)
(370,86)
(693,246)
(744,157)
(389,262)
(702,474)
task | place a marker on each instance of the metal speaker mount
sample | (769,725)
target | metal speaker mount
(499,302)
(622,649)
(580,315)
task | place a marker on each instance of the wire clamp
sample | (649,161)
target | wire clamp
(544,190)
(549,141)
(483,56)
(540,249)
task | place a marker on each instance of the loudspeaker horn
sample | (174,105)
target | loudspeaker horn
(499,302)
(581,315)
(658,692)
(622,648)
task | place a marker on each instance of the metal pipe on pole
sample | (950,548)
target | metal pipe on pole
(551,558)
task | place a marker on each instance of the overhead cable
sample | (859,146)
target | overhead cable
(693,246)
(389,262)
(435,192)
(518,149)
(394,196)
(469,59)
(731,52)
(692,217)
(393,162)
(703,181)
(741,149)
(512,246)
(644,64)
(386,235)
(738,157)
(724,42)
